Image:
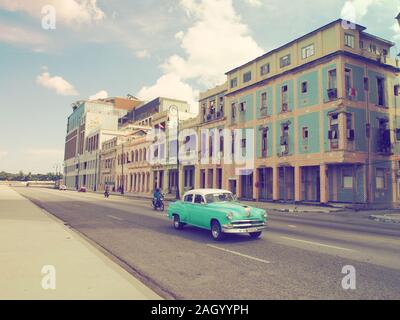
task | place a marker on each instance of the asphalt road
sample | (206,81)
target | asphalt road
(298,257)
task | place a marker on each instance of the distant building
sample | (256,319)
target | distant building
(91,123)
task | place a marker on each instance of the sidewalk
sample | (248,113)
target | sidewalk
(395,218)
(31,239)
(293,208)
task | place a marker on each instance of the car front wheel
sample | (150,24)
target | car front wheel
(255,235)
(216,231)
(178,225)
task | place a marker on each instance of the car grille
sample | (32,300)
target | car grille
(247,223)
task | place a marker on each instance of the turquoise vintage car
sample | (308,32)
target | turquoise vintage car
(218,211)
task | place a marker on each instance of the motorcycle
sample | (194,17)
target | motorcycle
(158,204)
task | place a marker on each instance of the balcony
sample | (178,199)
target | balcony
(264,112)
(214,116)
(383,142)
(384,59)
(284,146)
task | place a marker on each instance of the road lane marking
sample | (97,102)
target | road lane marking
(292,226)
(115,218)
(317,244)
(239,254)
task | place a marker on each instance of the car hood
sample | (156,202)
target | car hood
(239,209)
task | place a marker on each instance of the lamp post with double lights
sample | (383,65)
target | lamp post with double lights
(174,112)
(123,178)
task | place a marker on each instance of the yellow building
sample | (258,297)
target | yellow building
(317,113)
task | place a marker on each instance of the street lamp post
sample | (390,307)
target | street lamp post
(175,112)
(122,178)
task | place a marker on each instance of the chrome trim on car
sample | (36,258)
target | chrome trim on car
(243,230)
(244,226)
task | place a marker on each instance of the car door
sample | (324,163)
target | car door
(187,208)
(199,214)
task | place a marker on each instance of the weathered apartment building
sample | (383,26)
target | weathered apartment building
(323,109)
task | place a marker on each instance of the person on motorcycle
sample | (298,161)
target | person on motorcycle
(157,195)
(107,191)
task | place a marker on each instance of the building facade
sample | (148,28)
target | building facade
(90,124)
(321,111)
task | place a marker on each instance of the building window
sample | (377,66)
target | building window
(285,130)
(349,40)
(304,87)
(381,91)
(381,183)
(264,101)
(334,131)
(233,110)
(247,77)
(332,79)
(285,61)
(308,51)
(234,83)
(242,106)
(284,97)
(347,179)
(264,142)
(265,69)
(305,133)
(372,48)
(350,91)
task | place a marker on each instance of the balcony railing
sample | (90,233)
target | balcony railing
(214,116)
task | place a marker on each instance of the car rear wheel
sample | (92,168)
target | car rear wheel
(216,231)
(178,225)
(255,235)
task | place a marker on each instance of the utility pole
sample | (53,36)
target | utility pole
(123,178)
(175,112)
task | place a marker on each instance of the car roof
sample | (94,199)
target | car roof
(204,192)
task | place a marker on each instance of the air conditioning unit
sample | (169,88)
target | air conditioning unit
(332,94)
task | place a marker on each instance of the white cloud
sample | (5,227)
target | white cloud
(72,12)
(20,36)
(355,10)
(142,54)
(103,94)
(171,86)
(217,41)
(57,83)
(254,3)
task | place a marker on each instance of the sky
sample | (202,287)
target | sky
(174,48)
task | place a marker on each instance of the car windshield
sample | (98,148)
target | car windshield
(219,197)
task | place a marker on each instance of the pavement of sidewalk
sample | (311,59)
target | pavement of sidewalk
(31,239)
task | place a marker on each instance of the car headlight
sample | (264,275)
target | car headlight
(265,215)
(229,216)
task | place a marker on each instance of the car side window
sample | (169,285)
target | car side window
(189,198)
(198,199)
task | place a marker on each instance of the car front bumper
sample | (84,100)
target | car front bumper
(233,228)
